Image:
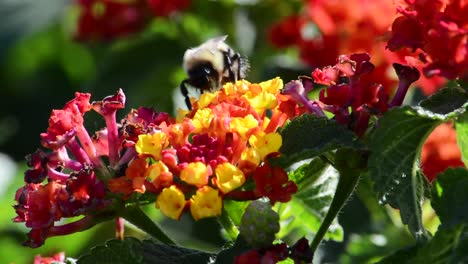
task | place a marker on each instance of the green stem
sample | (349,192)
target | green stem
(226,222)
(345,188)
(137,217)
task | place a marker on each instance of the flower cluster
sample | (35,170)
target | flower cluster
(437,31)
(348,94)
(327,29)
(109,19)
(57,258)
(344,27)
(70,180)
(206,156)
(214,149)
(300,252)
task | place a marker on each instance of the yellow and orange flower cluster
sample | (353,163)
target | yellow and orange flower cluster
(210,151)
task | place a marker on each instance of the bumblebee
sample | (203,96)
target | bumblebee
(210,65)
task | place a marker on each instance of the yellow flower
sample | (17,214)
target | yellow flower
(272,86)
(206,203)
(243,124)
(151,144)
(171,202)
(266,143)
(195,173)
(202,119)
(251,155)
(181,113)
(206,99)
(229,177)
(239,88)
(261,101)
(159,174)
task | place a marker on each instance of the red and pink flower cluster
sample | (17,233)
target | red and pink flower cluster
(327,29)
(437,31)
(348,94)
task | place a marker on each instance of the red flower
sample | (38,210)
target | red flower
(287,32)
(273,183)
(166,8)
(57,258)
(440,151)
(37,205)
(109,19)
(62,183)
(272,254)
(437,28)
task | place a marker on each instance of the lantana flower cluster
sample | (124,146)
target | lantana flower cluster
(326,29)
(351,100)
(110,19)
(437,32)
(209,154)
(212,152)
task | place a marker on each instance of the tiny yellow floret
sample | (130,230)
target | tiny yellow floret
(238,88)
(272,86)
(261,101)
(243,124)
(206,99)
(206,203)
(171,202)
(266,143)
(151,144)
(156,170)
(251,155)
(229,177)
(195,173)
(202,119)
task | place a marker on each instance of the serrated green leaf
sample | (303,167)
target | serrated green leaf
(134,251)
(461,127)
(393,167)
(308,173)
(450,196)
(450,100)
(445,247)
(124,251)
(308,136)
(305,212)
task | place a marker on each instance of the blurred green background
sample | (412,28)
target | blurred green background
(41,67)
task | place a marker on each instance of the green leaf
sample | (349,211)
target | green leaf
(308,136)
(450,196)
(447,246)
(448,101)
(137,217)
(461,127)
(393,165)
(305,212)
(133,251)
(235,210)
(395,147)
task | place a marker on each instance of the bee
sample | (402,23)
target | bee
(211,65)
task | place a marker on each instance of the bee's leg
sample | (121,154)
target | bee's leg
(184,91)
(236,59)
(228,66)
